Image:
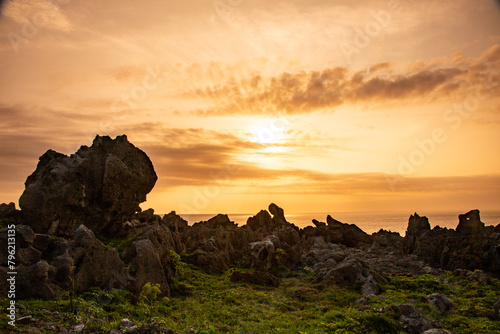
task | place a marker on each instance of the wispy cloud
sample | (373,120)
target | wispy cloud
(43,12)
(305,92)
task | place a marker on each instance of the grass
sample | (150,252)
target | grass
(213,304)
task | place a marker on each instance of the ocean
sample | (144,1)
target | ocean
(369,222)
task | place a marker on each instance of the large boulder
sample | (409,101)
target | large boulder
(262,253)
(145,265)
(37,282)
(96,265)
(97,186)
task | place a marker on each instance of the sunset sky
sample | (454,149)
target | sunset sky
(317,105)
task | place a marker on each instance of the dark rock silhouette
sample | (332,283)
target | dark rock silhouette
(471,246)
(470,223)
(318,223)
(336,232)
(416,226)
(97,186)
(9,212)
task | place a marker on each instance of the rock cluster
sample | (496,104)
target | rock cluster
(471,246)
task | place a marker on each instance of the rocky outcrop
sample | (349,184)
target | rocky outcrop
(348,273)
(470,223)
(9,213)
(264,223)
(215,243)
(97,186)
(145,266)
(416,226)
(96,264)
(323,255)
(262,253)
(472,246)
(339,233)
(386,242)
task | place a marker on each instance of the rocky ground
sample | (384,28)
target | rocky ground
(80,228)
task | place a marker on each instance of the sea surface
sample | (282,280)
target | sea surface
(369,222)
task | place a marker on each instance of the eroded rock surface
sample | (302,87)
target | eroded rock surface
(97,186)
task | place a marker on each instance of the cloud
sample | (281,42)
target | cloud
(198,157)
(40,13)
(305,92)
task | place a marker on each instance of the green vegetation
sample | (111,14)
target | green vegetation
(213,304)
(120,244)
(149,297)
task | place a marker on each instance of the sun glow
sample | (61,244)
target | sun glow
(268,131)
(272,136)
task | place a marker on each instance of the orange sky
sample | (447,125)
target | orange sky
(319,106)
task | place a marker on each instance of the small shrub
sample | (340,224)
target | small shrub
(148,297)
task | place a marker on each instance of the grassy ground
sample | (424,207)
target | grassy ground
(213,304)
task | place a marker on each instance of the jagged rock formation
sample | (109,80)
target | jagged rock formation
(416,226)
(97,186)
(470,223)
(336,232)
(471,246)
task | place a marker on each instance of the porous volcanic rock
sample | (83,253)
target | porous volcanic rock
(97,186)
(96,265)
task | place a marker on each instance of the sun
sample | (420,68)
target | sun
(268,132)
(272,136)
